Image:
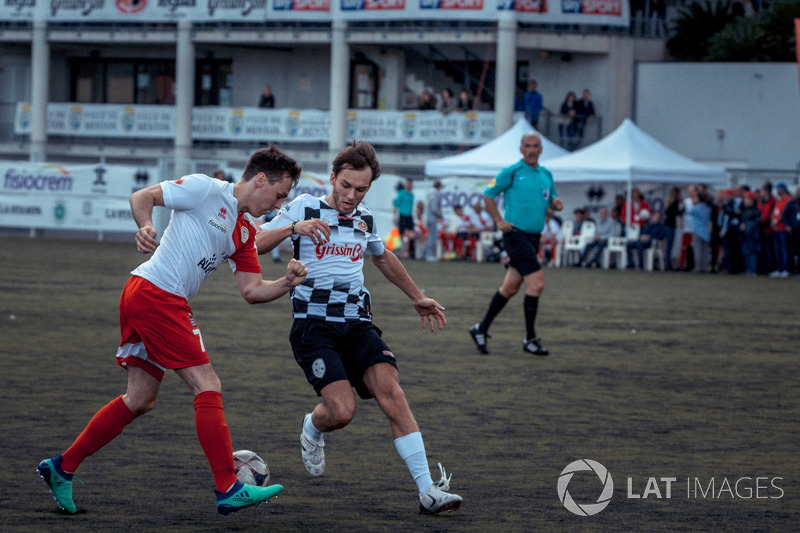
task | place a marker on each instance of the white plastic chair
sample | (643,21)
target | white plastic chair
(655,252)
(575,244)
(566,231)
(617,247)
(486,243)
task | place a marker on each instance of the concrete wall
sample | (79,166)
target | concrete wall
(743,115)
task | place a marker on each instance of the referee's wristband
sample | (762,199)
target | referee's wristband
(293,231)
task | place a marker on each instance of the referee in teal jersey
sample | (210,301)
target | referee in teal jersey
(528,191)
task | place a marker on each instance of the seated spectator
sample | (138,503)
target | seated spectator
(464,229)
(551,236)
(607,227)
(653,230)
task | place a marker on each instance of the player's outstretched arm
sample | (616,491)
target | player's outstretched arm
(142,203)
(256,290)
(431,313)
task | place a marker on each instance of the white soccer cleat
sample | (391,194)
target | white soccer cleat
(437,499)
(313,453)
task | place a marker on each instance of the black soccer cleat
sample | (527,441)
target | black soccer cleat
(534,346)
(479,337)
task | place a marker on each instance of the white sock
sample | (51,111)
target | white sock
(412,451)
(311,430)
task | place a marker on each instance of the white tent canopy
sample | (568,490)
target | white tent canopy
(489,158)
(630,155)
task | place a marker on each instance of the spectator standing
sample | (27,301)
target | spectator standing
(766,258)
(464,101)
(672,214)
(404,211)
(750,234)
(638,204)
(699,217)
(447,103)
(533,103)
(267,98)
(686,260)
(780,236)
(791,221)
(584,112)
(427,102)
(568,121)
(433,219)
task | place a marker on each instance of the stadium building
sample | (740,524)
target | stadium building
(178,82)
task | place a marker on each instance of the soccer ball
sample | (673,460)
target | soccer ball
(250,468)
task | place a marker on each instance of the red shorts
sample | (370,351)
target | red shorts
(158,330)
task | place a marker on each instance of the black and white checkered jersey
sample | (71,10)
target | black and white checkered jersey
(334,288)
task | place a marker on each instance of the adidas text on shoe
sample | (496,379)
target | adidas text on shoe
(437,499)
(534,346)
(313,453)
(479,337)
(241,496)
(59,482)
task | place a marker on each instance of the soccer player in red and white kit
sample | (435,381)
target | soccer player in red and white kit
(212,223)
(333,338)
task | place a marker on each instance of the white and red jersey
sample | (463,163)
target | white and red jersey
(204,230)
(334,288)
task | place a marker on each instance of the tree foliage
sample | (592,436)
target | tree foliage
(712,31)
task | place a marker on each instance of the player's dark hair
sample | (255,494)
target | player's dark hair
(358,156)
(274,163)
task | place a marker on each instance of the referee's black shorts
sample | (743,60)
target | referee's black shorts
(405,222)
(523,251)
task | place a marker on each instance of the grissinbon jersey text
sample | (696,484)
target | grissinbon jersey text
(334,288)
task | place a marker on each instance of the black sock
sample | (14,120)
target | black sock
(531,305)
(495,306)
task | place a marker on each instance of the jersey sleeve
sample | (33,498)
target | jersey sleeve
(375,245)
(245,258)
(186,193)
(499,184)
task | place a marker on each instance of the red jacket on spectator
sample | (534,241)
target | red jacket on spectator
(766,214)
(777,212)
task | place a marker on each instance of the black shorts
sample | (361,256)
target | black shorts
(336,351)
(405,222)
(523,251)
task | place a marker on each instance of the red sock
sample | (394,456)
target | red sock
(104,426)
(215,438)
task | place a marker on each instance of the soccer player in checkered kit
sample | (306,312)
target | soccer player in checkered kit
(333,338)
(213,222)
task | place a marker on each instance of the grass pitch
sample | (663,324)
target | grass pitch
(655,376)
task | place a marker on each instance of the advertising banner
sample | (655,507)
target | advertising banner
(261,125)
(590,12)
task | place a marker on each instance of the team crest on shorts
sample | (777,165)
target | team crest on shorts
(318,368)
(245,234)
